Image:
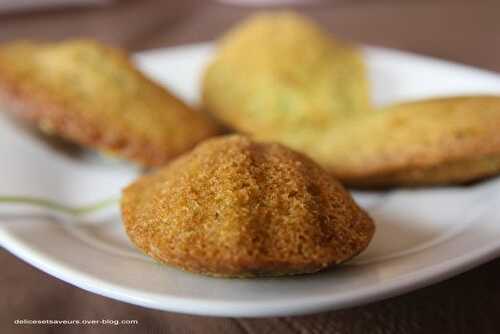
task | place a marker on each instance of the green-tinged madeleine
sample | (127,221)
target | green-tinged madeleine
(235,207)
(437,141)
(279,77)
(94,95)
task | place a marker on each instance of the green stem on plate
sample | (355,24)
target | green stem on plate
(53,205)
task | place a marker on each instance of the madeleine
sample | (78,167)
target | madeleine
(234,207)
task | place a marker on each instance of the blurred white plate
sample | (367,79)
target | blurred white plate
(423,236)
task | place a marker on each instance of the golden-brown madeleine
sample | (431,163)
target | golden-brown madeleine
(233,207)
(278,77)
(437,141)
(92,94)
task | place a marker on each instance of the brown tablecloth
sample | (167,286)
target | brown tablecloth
(463,31)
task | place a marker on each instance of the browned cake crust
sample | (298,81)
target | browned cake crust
(93,95)
(427,142)
(456,172)
(233,207)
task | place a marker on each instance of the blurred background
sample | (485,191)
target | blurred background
(466,31)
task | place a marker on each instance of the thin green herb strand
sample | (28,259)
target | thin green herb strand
(53,205)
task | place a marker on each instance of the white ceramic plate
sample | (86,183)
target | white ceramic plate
(423,236)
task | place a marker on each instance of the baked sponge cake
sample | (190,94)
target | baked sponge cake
(278,77)
(234,207)
(427,142)
(94,95)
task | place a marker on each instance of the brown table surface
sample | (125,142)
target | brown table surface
(463,31)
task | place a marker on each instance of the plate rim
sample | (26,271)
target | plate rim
(386,289)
